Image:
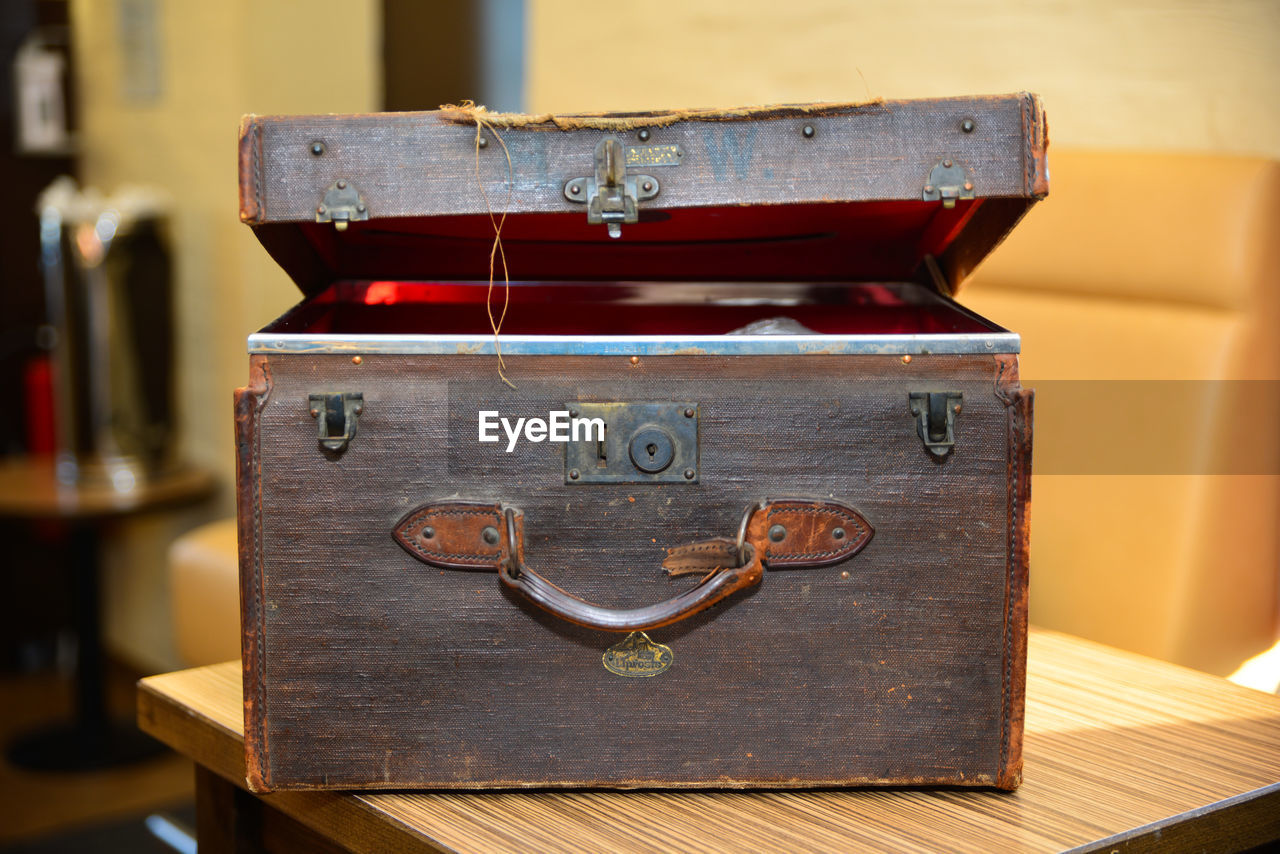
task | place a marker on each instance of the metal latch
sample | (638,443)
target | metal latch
(342,204)
(651,442)
(947,182)
(612,196)
(935,413)
(337,415)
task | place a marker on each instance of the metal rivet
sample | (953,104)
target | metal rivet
(777,533)
(575,189)
(490,535)
(317,148)
(355,360)
(315,413)
(573,413)
(428,533)
(359,410)
(906,360)
(838,533)
(574,474)
(967,126)
(956,408)
(342,183)
(844,574)
(647,185)
(968,185)
(808,131)
(928,188)
(320,209)
(946,164)
(688,413)
(689,474)
(644,135)
(361,207)
(483,143)
(635,360)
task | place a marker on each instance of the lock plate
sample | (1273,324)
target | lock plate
(652,442)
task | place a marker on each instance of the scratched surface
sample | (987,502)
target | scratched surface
(416,171)
(381,672)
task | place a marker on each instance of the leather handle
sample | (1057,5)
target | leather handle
(781,533)
(719,584)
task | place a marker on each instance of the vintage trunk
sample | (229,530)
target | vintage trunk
(838,498)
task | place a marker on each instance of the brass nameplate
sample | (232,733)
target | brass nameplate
(636,655)
(654,155)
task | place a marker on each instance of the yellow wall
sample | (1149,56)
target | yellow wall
(1181,74)
(217,61)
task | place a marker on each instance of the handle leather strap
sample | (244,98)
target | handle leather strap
(788,532)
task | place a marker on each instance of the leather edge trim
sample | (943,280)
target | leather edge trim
(250,156)
(249,402)
(1013,714)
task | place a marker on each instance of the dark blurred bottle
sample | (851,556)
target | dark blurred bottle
(108,285)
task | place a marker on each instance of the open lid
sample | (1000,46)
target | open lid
(882,191)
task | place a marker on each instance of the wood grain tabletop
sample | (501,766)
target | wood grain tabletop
(1122,753)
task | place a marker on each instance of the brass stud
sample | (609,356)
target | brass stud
(906,360)
(355,360)
(635,360)
(315,413)
(844,574)
(968,185)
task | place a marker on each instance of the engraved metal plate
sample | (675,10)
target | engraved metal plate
(654,155)
(638,655)
(654,442)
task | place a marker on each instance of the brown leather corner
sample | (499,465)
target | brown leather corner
(813,533)
(249,402)
(1020,414)
(1036,130)
(450,534)
(250,156)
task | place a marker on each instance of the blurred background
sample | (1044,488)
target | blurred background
(1154,259)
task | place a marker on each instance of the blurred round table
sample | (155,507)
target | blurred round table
(30,490)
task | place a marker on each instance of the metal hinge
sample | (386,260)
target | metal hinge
(337,415)
(612,197)
(947,182)
(342,204)
(935,413)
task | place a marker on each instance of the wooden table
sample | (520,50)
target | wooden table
(31,491)
(1123,753)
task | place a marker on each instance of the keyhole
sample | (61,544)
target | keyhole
(652,449)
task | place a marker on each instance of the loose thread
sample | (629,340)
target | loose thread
(497,252)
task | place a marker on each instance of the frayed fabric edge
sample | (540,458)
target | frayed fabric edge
(469,113)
